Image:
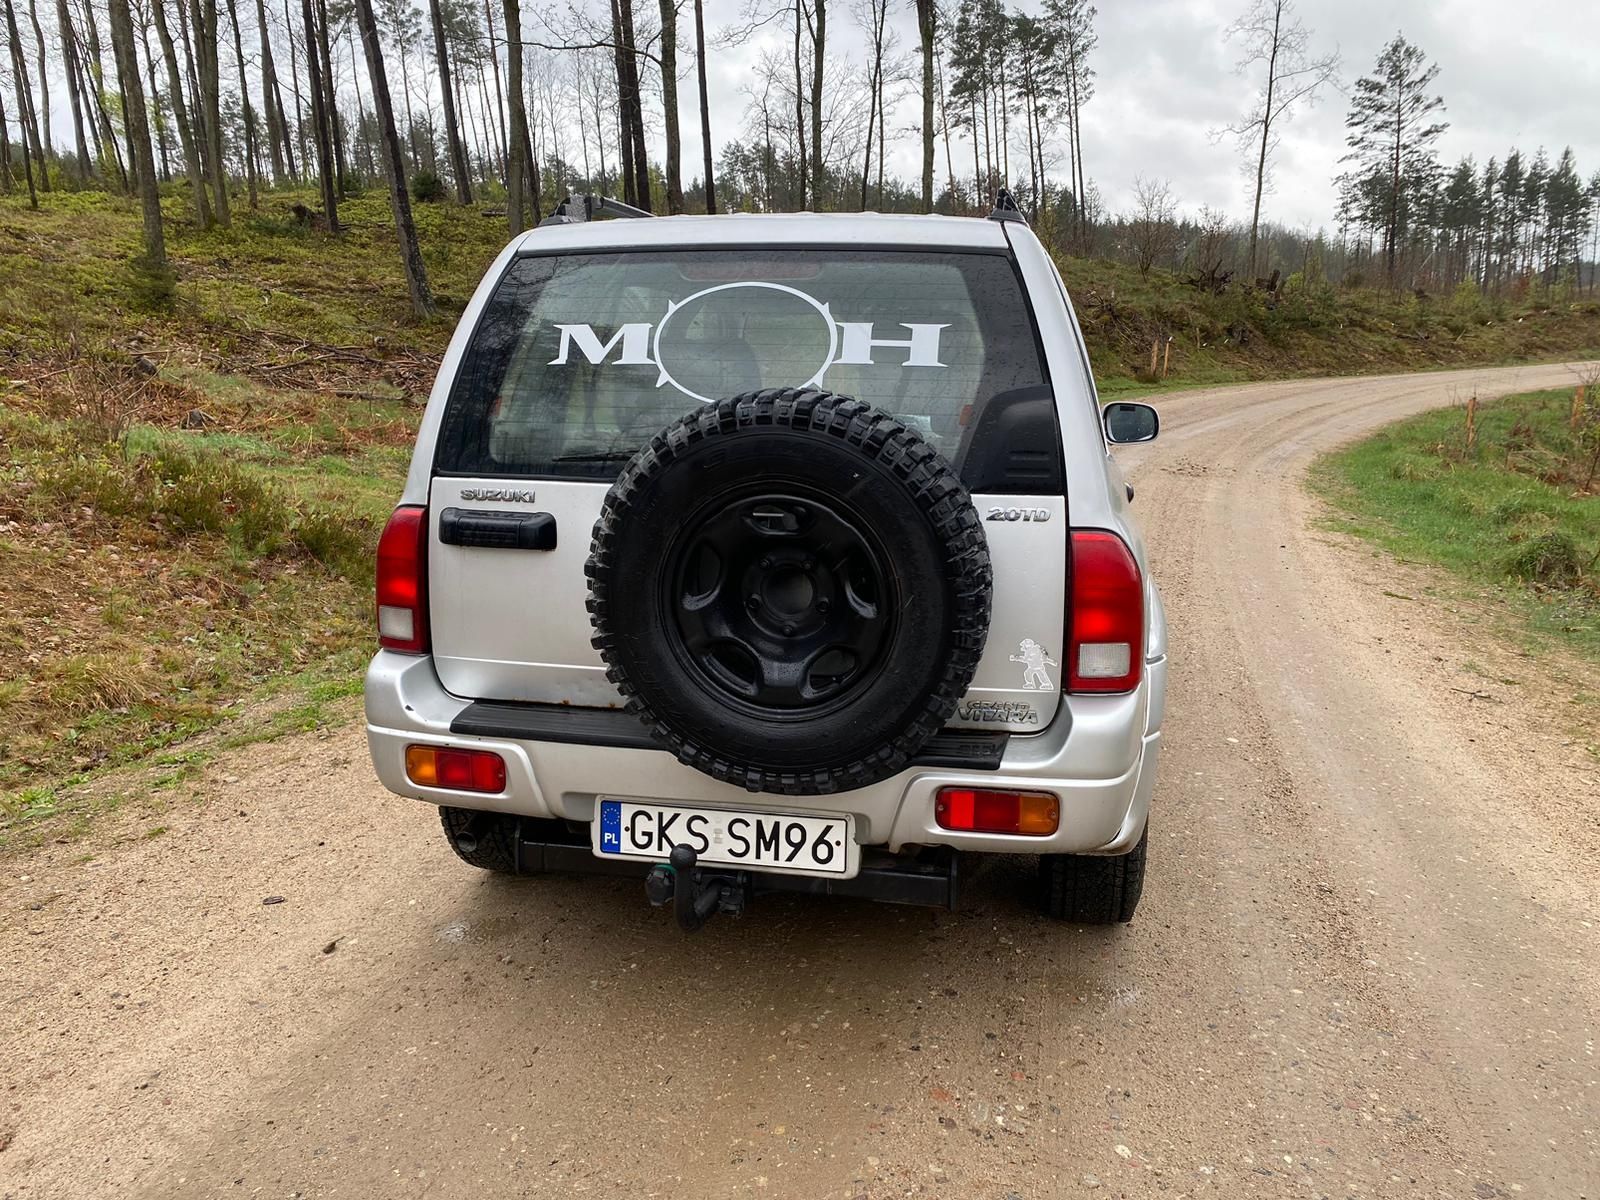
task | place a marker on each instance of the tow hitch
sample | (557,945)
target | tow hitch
(695,894)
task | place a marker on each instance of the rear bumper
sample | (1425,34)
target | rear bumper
(1099,756)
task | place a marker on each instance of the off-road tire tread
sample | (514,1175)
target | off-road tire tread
(925,473)
(1087,889)
(496,848)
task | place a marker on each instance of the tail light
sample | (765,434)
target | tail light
(977,810)
(1106,649)
(457,770)
(403,581)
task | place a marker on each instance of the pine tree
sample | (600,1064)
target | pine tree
(1392,129)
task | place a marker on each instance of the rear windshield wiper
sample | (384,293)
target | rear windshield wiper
(596,456)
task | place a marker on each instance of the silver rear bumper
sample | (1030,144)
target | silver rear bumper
(1099,756)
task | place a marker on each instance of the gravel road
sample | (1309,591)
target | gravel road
(1366,961)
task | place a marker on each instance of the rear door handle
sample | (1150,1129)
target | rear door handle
(497,530)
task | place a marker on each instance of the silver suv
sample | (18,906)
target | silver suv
(774,553)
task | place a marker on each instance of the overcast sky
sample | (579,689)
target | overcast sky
(1522,73)
(1519,73)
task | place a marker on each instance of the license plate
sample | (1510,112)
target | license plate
(723,837)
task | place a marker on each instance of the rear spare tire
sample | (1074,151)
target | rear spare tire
(791,589)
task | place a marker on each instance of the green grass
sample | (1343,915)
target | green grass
(149,590)
(1511,519)
(1311,329)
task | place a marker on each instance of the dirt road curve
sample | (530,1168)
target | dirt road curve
(1366,963)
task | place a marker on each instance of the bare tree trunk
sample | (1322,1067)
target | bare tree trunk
(19,71)
(633,107)
(532,156)
(279,148)
(705,104)
(874,83)
(452,127)
(109,145)
(492,135)
(155,98)
(819,47)
(800,102)
(5,148)
(1266,133)
(251,153)
(926,18)
(393,164)
(358,148)
(27,118)
(624,130)
(599,129)
(518,151)
(294,84)
(944,125)
(463,109)
(405,94)
(180,117)
(977,165)
(138,129)
(481,146)
(883,124)
(69,56)
(1075,151)
(872,117)
(330,98)
(669,105)
(43,67)
(203,15)
(499,96)
(319,119)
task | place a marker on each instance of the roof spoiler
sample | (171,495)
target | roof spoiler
(1005,208)
(576,208)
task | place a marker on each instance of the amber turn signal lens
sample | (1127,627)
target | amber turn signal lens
(457,770)
(974,810)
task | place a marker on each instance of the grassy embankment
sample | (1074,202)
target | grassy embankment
(1513,517)
(1307,330)
(192,490)
(159,580)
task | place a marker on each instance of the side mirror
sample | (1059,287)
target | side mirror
(1129,422)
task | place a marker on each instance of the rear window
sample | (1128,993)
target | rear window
(578,360)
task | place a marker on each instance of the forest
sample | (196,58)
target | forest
(508,110)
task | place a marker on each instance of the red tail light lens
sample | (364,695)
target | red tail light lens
(458,770)
(1106,649)
(403,581)
(976,810)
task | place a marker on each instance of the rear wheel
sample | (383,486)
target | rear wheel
(1089,889)
(485,840)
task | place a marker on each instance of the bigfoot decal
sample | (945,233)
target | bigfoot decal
(1034,659)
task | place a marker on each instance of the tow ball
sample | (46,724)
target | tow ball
(695,895)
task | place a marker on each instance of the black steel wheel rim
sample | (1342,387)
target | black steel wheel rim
(780,601)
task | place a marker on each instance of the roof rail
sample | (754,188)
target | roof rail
(1005,208)
(576,208)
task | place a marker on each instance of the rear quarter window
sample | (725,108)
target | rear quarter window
(577,360)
